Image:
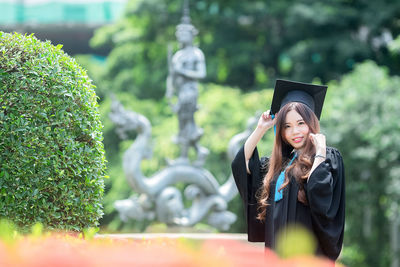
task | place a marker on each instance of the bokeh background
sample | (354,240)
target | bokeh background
(353,46)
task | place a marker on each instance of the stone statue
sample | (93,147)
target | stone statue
(186,67)
(158,198)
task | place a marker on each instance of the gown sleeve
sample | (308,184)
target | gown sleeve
(248,185)
(325,191)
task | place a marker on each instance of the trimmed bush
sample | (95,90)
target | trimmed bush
(52,161)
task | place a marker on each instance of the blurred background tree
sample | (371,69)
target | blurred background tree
(364,125)
(249,43)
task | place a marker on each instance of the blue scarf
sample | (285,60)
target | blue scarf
(279,181)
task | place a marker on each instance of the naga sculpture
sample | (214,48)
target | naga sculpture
(158,198)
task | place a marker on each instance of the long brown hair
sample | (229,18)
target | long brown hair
(301,166)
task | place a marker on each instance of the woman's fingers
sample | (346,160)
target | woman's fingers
(266,120)
(312,137)
(266,115)
(317,139)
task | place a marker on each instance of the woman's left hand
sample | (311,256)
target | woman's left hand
(319,142)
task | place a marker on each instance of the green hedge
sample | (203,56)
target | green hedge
(51,153)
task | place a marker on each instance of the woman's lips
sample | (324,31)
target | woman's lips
(297,139)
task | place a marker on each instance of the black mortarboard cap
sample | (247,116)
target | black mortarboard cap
(288,91)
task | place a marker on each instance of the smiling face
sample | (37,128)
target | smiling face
(295,130)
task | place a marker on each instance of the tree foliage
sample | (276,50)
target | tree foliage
(51,152)
(249,43)
(363,123)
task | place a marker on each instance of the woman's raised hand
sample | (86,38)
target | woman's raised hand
(265,122)
(319,142)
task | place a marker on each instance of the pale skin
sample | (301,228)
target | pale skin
(296,131)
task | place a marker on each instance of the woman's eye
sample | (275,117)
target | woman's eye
(301,122)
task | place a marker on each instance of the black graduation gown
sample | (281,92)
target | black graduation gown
(325,192)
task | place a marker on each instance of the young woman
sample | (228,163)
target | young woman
(303,180)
